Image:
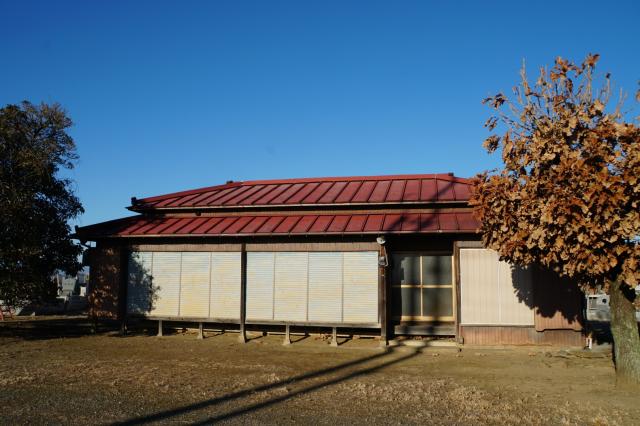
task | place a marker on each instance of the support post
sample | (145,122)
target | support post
(287,335)
(383,301)
(123,285)
(242,337)
(159,328)
(334,337)
(200,332)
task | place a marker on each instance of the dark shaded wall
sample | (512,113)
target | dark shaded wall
(106,273)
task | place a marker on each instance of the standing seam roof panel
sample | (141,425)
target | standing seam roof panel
(429,222)
(271,224)
(348,192)
(195,200)
(392,222)
(321,224)
(166,202)
(231,195)
(339,190)
(186,199)
(295,224)
(304,224)
(148,226)
(302,193)
(379,193)
(272,194)
(429,190)
(255,224)
(356,223)
(137,225)
(363,194)
(257,195)
(206,201)
(290,192)
(448,222)
(338,224)
(462,191)
(396,190)
(195,223)
(206,226)
(411,222)
(374,223)
(445,190)
(221,226)
(238,198)
(412,191)
(466,221)
(238,225)
(317,193)
(287,224)
(166,224)
(333,192)
(176,226)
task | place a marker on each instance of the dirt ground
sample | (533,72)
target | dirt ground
(53,371)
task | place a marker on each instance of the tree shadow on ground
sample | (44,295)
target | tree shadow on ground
(70,327)
(53,328)
(304,383)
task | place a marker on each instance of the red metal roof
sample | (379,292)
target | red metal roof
(397,189)
(278,224)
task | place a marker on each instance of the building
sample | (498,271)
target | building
(394,254)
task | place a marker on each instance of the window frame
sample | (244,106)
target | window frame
(421,286)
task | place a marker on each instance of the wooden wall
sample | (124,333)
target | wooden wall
(497,335)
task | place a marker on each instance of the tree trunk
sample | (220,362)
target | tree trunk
(626,340)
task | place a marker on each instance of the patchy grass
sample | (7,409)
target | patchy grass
(53,372)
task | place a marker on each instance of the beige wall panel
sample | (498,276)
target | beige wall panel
(488,294)
(514,294)
(479,284)
(225,285)
(360,291)
(140,295)
(194,284)
(166,284)
(260,281)
(325,287)
(290,295)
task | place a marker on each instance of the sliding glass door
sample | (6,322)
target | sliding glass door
(422,287)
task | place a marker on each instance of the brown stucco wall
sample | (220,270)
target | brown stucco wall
(106,270)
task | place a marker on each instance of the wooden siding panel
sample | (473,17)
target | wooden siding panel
(504,335)
(558,302)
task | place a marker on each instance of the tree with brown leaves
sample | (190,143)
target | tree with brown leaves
(568,197)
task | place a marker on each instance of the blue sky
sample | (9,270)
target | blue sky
(173,95)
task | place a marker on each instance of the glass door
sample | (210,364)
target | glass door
(422,287)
